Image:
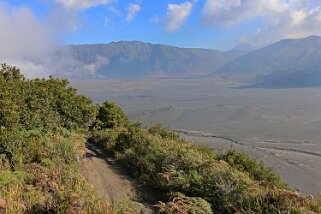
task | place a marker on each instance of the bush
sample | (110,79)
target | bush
(111,116)
(255,169)
(176,166)
(15,178)
(42,126)
(45,104)
(163,133)
(128,207)
(182,204)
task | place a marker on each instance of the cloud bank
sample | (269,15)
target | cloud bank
(177,14)
(281,18)
(32,46)
(24,39)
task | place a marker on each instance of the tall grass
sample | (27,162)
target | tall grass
(46,178)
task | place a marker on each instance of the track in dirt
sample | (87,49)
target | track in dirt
(111,180)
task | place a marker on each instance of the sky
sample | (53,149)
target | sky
(215,24)
(34,27)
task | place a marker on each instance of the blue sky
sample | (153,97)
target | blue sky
(215,24)
(107,22)
(31,29)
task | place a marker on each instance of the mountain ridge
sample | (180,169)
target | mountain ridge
(287,63)
(118,59)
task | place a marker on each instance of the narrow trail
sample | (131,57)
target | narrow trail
(111,181)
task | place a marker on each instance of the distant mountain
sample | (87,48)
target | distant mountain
(288,63)
(129,59)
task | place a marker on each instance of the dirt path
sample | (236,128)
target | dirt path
(110,179)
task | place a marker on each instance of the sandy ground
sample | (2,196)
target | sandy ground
(281,127)
(110,180)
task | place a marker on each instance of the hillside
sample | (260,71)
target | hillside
(44,125)
(130,59)
(288,63)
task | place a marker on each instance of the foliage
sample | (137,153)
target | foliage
(255,169)
(128,207)
(45,104)
(162,132)
(10,72)
(44,124)
(176,166)
(181,204)
(110,115)
(42,127)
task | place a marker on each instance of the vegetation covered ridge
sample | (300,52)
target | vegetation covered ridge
(43,129)
(191,178)
(44,125)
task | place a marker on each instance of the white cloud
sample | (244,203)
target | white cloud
(177,14)
(24,37)
(81,4)
(31,45)
(114,10)
(18,25)
(132,10)
(227,12)
(281,18)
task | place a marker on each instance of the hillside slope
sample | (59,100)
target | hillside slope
(44,124)
(288,63)
(128,59)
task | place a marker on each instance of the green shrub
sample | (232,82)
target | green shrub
(182,204)
(9,141)
(176,166)
(45,104)
(128,207)
(255,169)
(15,178)
(46,162)
(42,127)
(8,73)
(110,115)
(163,133)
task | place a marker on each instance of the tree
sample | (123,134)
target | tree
(111,116)
(10,72)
